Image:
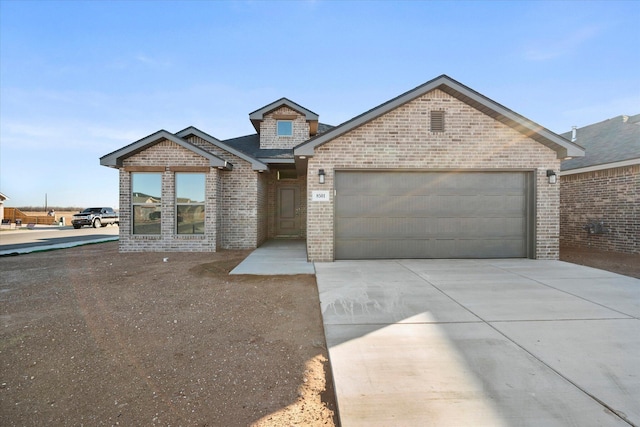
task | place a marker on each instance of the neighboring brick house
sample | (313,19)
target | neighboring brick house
(439,172)
(600,192)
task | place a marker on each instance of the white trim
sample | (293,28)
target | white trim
(604,166)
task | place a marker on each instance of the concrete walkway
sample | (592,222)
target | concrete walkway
(278,256)
(481,343)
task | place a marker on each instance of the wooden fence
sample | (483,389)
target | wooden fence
(13,214)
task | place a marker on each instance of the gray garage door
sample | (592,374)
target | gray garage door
(433,214)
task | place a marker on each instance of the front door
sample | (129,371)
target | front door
(288,212)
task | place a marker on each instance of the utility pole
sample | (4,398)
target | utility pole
(45,202)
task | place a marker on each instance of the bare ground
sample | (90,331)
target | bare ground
(617,262)
(93,337)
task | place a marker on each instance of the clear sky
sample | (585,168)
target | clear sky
(79,80)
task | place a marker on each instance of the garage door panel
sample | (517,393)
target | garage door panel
(444,204)
(431,214)
(352,205)
(430,228)
(490,248)
(427,248)
(515,203)
(386,228)
(504,228)
(379,206)
(511,227)
(419,204)
(391,248)
(489,204)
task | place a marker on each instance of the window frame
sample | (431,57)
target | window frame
(156,207)
(288,135)
(190,204)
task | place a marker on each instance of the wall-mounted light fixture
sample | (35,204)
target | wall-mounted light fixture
(553,178)
(321,176)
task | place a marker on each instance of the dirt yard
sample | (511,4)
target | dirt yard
(93,337)
(627,264)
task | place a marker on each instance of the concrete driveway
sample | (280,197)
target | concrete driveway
(481,343)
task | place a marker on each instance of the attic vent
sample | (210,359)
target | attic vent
(437,121)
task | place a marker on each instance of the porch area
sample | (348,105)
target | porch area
(275,257)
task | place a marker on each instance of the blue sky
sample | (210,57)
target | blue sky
(79,80)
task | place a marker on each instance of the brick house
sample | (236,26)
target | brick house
(440,171)
(600,192)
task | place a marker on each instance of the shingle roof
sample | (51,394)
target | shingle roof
(609,141)
(323,127)
(256,164)
(250,145)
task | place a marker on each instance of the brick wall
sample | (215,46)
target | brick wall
(239,201)
(218,215)
(402,139)
(268,132)
(166,154)
(263,207)
(610,195)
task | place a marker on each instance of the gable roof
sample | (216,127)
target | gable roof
(257,116)
(563,147)
(116,158)
(3,197)
(608,142)
(255,163)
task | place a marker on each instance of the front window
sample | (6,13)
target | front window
(145,199)
(285,128)
(190,195)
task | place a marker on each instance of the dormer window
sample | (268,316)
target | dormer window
(285,127)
